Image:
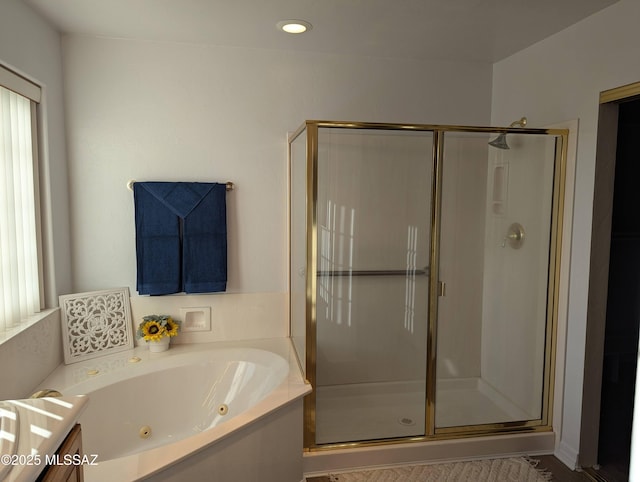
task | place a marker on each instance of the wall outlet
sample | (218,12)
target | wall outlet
(196,319)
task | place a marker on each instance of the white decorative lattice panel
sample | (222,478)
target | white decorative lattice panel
(95,324)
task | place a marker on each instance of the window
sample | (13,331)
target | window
(20,259)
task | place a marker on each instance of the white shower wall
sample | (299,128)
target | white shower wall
(362,331)
(515,280)
(492,320)
(491,323)
(462,261)
(373,215)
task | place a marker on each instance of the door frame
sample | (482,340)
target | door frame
(599,267)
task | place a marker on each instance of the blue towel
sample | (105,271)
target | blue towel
(181,237)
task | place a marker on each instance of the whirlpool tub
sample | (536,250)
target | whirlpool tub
(210,411)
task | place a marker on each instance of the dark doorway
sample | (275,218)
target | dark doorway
(623,303)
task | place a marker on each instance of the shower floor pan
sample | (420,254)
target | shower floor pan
(370,411)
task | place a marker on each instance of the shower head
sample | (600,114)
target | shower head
(501,141)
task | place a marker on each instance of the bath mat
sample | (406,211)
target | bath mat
(485,470)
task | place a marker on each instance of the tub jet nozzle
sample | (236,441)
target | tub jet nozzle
(145,432)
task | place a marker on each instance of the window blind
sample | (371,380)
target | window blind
(19,249)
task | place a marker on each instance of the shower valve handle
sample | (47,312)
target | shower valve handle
(514,236)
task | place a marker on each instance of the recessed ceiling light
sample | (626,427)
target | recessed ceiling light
(294,26)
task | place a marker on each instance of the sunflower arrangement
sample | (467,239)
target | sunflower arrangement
(155,327)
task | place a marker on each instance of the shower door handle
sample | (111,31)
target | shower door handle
(442,288)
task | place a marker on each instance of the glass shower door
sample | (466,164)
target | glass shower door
(497,260)
(373,249)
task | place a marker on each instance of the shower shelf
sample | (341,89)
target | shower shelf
(389,272)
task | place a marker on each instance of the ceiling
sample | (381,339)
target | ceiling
(466,30)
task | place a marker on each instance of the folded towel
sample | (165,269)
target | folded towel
(158,245)
(181,237)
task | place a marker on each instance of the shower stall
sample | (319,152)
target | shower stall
(423,278)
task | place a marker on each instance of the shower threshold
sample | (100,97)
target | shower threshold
(371,411)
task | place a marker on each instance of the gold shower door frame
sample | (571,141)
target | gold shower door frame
(431,432)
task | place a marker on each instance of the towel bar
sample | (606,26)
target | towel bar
(131,182)
(389,272)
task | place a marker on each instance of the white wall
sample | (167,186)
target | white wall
(29,46)
(168,111)
(174,111)
(144,110)
(560,79)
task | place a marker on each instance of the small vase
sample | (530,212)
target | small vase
(160,345)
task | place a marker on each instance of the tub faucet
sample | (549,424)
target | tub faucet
(47,392)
